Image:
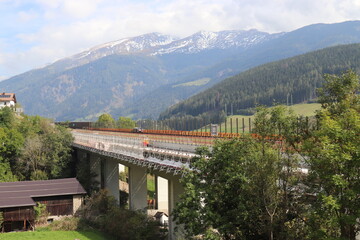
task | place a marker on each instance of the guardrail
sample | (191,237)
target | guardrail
(133,150)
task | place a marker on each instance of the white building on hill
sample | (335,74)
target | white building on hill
(7,99)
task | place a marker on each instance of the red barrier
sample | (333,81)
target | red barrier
(186,133)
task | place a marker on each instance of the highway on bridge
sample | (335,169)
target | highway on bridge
(163,155)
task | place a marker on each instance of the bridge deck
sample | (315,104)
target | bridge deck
(168,153)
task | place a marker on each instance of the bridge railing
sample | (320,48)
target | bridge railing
(134,148)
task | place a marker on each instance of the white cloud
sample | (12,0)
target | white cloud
(49,30)
(25,16)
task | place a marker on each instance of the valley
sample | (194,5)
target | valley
(141,77)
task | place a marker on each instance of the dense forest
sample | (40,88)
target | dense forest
(294,180)
(289,81)
(33,148)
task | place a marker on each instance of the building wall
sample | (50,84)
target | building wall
(18,213)
(7,104)
(77,202)
(17,218)
(57,205)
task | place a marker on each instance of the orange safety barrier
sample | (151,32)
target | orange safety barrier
(187,133)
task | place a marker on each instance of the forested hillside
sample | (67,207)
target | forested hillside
(33,148)
(144,81)
(293,80)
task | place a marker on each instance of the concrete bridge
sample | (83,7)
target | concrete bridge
(164,156)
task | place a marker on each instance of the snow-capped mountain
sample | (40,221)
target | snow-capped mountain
(139,44)
(141,76)
(216,40)
(135,45)
(160,44)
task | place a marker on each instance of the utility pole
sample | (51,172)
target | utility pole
(287,99)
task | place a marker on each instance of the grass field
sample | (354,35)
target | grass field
(53,235)
(199,82)
(306,110)
(151,186)
(235,123)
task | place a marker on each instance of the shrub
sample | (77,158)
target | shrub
(65,224)
(134,225)
(41,214)
(102,212)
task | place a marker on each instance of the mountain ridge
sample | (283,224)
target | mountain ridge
(153,44)
(141,84)
(292,79)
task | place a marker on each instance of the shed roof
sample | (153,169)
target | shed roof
(6,97)
(160,214)
(19,194)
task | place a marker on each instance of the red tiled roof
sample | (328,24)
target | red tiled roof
(5,97)
(18,194)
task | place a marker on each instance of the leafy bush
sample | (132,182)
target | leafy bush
(41,214)
(103,213)
(134,225)
(65,224)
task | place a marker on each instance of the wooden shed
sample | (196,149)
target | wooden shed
(62,197)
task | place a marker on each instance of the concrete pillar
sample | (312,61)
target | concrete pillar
(111,176)
(95,167)
(162,194)
(175,190)
(137,188)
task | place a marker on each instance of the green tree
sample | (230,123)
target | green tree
(279,128)
(243,188)
(7,117)
(10,147)
(105,121)
(223,193)
(46,151)
(34,158)
(124,122)
(57,141)
(6,174)
(334,159)
(32,147)
(11,143)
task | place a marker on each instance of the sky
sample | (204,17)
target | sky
(34,33)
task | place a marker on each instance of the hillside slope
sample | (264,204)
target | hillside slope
(291,80)
(142,76)
(290,44)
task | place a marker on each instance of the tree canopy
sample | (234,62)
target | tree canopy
(334,158)
(234,188)
(105,120)
(292,80)
(295,179)
(32,148)
(125,122)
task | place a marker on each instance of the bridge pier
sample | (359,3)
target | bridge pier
(168,187)
(137,188)
(95,166)
(175,190)
(107,173)
(111,172)
(162,193)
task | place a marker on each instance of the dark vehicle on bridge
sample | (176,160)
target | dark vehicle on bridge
(137,130)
